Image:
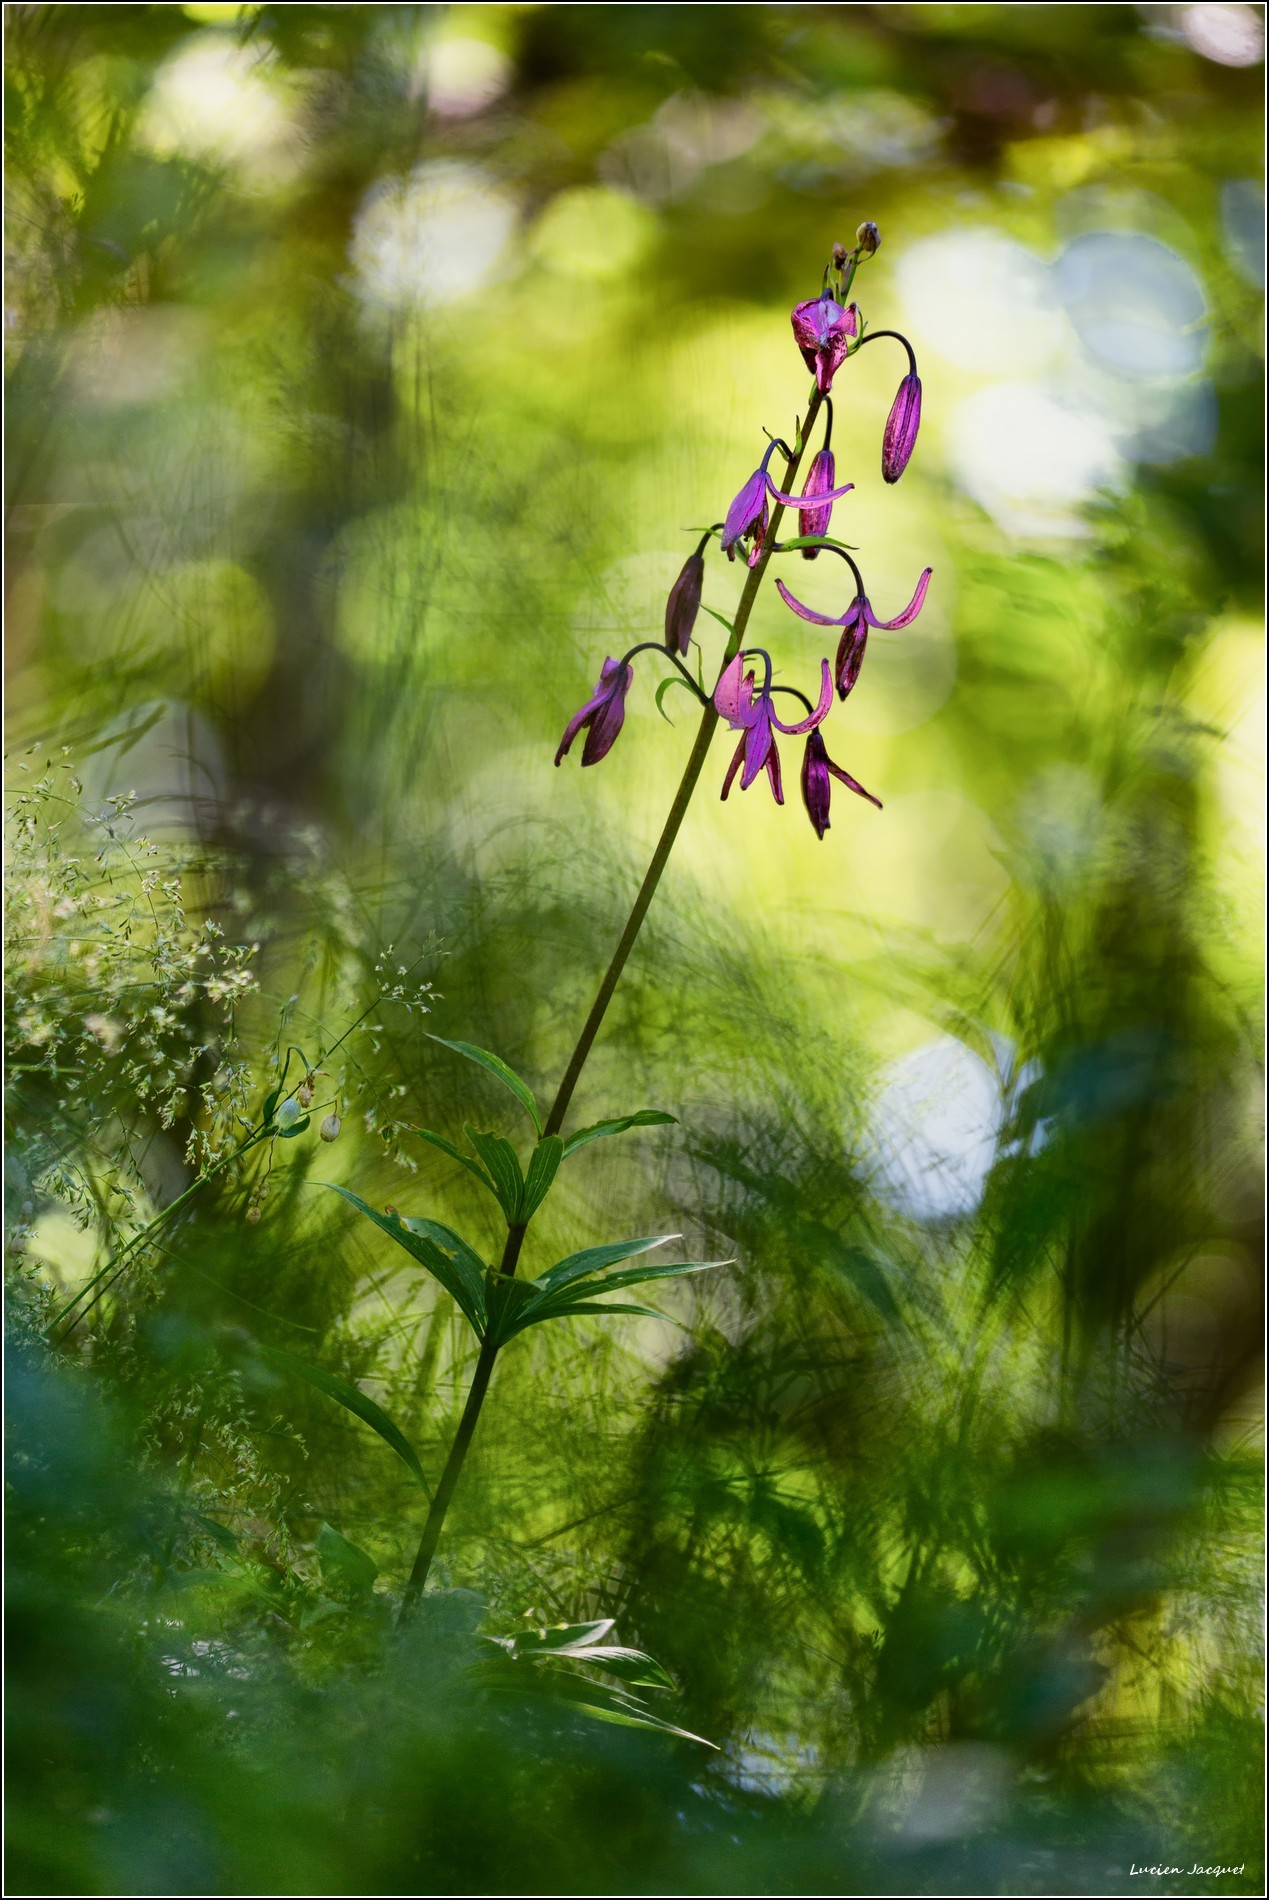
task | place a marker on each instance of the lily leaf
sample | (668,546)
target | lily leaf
(673,679)
(721,618)
(447,1258)
(502,1165)
(456,1154)
(497,1067)
(544,1165)
(576,1266)
(643,1118)
(353,1399)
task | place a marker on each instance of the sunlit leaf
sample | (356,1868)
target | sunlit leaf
(643,1118)
(456,1154)
(497,1067)
(595,1259)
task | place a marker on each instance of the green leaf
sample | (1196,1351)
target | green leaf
(508,1077)
(595,1259)
(344,1565)
(447,1258)
(505,1301)
(722,618)
(644,1118)
(819,541)
(544,1165)
(456,1154)
(353,1399)
(271,1101)
(295,1128)
(674,679)
(502,1165)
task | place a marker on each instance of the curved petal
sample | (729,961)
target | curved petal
(795,501)
(729,694)
(853,784)
(821,711)
(909,613)
(745,509)
(773,773)
(809,613)
(733,768)
(757,746)
(582,717)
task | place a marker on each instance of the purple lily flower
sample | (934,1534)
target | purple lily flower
(901,428)
(755,716)
(818,772)
(855,623)
(684,603)
(747,515)
(824,334)
(603,714)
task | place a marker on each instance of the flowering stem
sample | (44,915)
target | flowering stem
(590,1028)
(678,811)
(875,336)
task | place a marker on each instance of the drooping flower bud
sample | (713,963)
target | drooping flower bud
(868,238)
(602,715)
(901,429)
(819,481)
(684,604)
(329,1130)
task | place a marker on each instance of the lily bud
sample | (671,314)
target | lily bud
(329,1130)
(868,238)
(684,604)
(814,519)
(840,254)
(901,429)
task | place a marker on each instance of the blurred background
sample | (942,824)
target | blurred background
(368,368)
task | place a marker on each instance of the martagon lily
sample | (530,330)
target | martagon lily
(753,714)
(855,622)
(602,714)
(747,516)
(824,333)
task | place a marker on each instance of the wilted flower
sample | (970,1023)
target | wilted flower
(824,333)
(901,428)
(754,715)
(603,714)
(818,772)
(868,238)
(855,623)
(747,515)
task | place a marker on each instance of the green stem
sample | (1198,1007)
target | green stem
(590,1028)
(678,810)
(449,1477)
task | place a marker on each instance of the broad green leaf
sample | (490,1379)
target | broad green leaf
(456,1154)
(544,1164)
(446,1257)
(502,1165)
(353,1399)
(345,1565)
(271,1101)
(496,1066)
(645,1118)
(521,1322)
(595,1259)
(295,1128)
